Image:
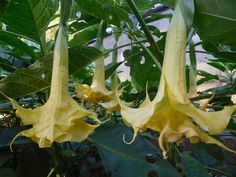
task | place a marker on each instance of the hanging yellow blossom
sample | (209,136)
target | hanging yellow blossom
(97,92)
(60,118)
(171,113)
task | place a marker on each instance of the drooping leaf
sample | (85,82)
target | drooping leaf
(15,42)
(142,69)
(6,65)
(103,9)
(84,35)
(109,70)
(80,57)
(29,17)
(187,7)
(27,80)
(206,77)
(209,155)
(128,160)
(37,76)
(216,21)
(192,167)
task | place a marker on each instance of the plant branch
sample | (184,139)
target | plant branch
(220,92)
(57,158)
(154,48)
(219,171)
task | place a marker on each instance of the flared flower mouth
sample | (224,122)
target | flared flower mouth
(61,118)
(97,92)
(171,113)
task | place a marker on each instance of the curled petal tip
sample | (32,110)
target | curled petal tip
(14,139)
(133,138)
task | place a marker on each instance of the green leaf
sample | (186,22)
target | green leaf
(37,76)
(216,21)
(192,167)
(29,17)
(15,42)
(142,69)
(168,3)
(27,80)
(6,65)
(145,5)
(187,8)
(128,160)
(218,65)
(206,77)
(109,70)
(84,35)
(80,57)
(208,154)
(104,9)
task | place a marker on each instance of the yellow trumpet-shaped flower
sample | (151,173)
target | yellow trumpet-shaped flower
(98,92)
(60,118)
(171,113)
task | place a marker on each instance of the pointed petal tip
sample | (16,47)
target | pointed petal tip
(133,138)
(14,139)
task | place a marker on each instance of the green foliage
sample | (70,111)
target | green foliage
(37,76)
(143,70)
(192,167)
(129,160)
(25,71)
(29,18)
(216,21)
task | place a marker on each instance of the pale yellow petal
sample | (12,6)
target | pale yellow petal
(212,122)
(60,118)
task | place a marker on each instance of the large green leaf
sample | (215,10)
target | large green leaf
(27,80)
(104,9)
(37,76)
(6,65)
(142,69)
(124,160)
(12,40)
(84,35)
(216,21)
(192,167)
(29,17)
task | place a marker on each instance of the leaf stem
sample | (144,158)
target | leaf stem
(156,51)
(216,95)
(57,158)
(219,171)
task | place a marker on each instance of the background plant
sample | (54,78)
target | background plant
(28,29)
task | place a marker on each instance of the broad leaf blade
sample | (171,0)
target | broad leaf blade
(15,42)
(128,160)
(216,21)
(27,80)
(37,76)
(84,35)
(104,9)
(142,69)
(192,167)
(29,17)
(6,65)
